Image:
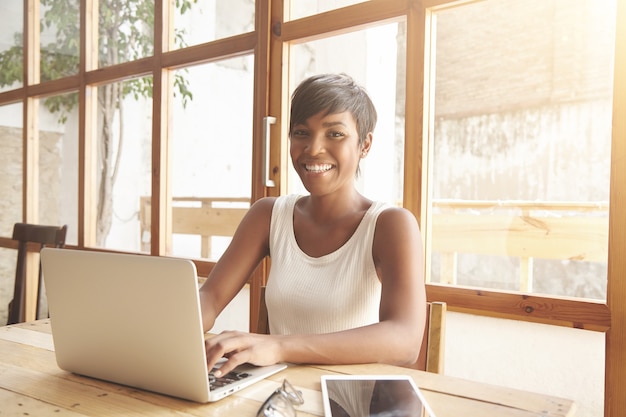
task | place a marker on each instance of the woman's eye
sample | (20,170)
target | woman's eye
(299,133)
(336,134)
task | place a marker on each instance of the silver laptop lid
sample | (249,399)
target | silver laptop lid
(130,319)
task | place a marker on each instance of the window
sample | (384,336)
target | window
(211,142)
(495,115)
(201,21)
(11,44)
(123,164)
(125,31)
(59,39)
(375,58)
(99,159)
(299,9)
(11,132)
(58,160)
(522,141)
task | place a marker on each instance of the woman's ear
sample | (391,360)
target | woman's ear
(366,145)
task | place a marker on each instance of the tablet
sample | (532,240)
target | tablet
(373,396)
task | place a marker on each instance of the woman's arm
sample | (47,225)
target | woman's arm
(250,244)
(399,259)
(396,339)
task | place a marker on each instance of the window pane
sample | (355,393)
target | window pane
(58,163)
(522,136)
(60,38)
(124,162)
(10,167)
(58,167)
(125,31)
(11,44)
(375,59)
(299,8)
(203,21)
(211,156)
(8,262)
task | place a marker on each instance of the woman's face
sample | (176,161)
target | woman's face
(325,151)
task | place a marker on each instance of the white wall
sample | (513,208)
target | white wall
(554,360)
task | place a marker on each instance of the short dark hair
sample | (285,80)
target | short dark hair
(333,93)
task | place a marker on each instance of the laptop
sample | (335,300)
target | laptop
(134,320)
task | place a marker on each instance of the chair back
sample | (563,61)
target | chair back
(431,356)
(263,325)
(27,234)
(432,352)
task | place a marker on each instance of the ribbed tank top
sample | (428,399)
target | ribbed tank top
(334,292)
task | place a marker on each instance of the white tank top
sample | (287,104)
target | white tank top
(334,292)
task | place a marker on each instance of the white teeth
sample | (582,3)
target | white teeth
(318,168)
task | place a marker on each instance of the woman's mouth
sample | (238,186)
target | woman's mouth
(318,167)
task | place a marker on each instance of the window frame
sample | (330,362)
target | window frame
(563,311)
(608,317)
(269,44)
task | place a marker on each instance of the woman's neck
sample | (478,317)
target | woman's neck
(328,209)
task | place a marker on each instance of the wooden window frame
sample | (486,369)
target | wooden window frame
(269,45)
(561,311)
(609,317)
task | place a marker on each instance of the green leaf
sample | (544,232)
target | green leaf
(125,34)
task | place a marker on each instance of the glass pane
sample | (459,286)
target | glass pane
(10,167)
(58,163)
(522,141)
(124,162)
(375,58)
(203,21)
(299,8)
(126,31)
(8,262)
(11,44)
(211,156)
(60,38)
(58,168)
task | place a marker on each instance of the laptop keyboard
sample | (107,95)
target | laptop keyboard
(229,378)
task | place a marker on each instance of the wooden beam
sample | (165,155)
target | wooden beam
(261,109)
(161,213)
(615,367)
(566,238)
(560,311)
(344,20)
(87,125)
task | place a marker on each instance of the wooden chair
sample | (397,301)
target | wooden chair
(263,325)
(432,352)
(43,236)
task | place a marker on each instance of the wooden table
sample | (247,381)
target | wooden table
(32,384)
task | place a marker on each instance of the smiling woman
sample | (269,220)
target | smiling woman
(325,145)
(346,273)
(319,119)
(376,63)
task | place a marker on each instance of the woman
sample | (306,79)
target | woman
(346,283)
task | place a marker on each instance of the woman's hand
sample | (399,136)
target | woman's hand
(241,347)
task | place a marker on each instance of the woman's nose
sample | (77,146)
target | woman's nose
(315,145)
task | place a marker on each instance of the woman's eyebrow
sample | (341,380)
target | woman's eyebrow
(330,124)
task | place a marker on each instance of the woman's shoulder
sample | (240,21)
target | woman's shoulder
(393,220)
(262,207)
(397,236)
